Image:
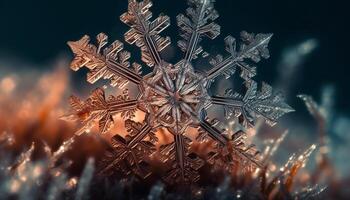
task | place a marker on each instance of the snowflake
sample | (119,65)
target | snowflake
(174,97)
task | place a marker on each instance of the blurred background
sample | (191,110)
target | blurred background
(309,55)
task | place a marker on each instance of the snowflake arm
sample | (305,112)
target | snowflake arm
(130,152)
(213,132)
(197,23)
(266,104)
(253,47)
(98,108)
(184,165)
(111,63)
(144,33)
(227,150)
(247,153)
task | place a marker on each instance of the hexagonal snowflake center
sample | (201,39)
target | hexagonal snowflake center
(174,96)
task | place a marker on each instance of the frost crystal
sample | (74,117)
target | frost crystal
(174,97)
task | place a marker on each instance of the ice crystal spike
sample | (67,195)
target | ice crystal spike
(53,157)
(57,187)
(310,193)
(272,147)
(23,159)
(174,97)
(156,192)
(85,180)
(321,113)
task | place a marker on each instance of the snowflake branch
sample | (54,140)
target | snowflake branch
(254,104)
(145,34)
(97,108)
(233,147)
(110,64)
(195,26)
(184,165)
(213,132)
(124,72)
(132,149)
(253,48)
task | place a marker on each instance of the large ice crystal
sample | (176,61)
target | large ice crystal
(174,97)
